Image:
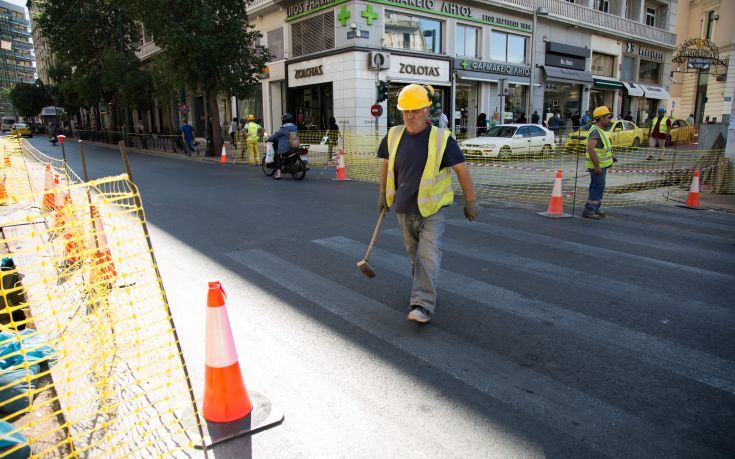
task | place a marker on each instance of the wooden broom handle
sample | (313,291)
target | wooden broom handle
(375,233)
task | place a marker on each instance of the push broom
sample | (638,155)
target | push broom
(363,264)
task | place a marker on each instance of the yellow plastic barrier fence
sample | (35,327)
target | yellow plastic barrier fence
(86,294)
(641,175)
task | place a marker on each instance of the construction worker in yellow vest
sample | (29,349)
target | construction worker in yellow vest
(253,137)
(658,133)
(599,158)
(415,181)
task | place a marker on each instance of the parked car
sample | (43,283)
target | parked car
(681,132)
(21,130)
(505,140)
(621,133)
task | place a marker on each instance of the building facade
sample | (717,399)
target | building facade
(703,78)
(16,52)
(481,57)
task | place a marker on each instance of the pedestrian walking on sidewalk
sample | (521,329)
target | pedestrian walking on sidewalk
(253,130)
(234,129)
(187,135)
(599,159)
(416,181)
(658,133)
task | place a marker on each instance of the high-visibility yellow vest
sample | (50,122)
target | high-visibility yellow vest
(253,130)
(435,187)
(662,128)
(604,154)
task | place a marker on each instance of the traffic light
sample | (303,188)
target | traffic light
(382,91)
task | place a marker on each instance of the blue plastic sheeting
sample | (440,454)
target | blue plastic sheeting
(21,355)
(10,438)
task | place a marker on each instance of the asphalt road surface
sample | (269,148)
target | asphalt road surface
(552,338)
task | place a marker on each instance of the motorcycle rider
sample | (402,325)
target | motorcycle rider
(281,137)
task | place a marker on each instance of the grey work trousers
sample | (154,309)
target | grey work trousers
(422,237)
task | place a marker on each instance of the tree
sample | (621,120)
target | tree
(85,37)
(209,46)
(29,98)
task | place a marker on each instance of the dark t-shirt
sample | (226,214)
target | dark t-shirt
(188,132)
(410,162)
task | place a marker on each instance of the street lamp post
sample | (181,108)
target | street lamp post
(537,11)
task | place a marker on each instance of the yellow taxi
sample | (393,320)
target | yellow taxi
(21,130)
(621,133)
(681,132)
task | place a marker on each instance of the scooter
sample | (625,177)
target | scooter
(294,162)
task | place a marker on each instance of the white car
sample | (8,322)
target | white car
(505,140)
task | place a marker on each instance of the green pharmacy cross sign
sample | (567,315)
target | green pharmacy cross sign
(369,14)
(344,15)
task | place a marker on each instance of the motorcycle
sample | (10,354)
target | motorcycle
(293,162)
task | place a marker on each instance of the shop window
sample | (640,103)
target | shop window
(411,32)
(603,65)
(628,69)
(466,40)
(650,17)
(505,47)
(312,35)
(649,72)
(275,43)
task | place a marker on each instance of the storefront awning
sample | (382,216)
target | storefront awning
(634,89)
(655,92)
(605,83)
(568,75)
(492,78)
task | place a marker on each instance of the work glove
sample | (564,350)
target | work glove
(382,202)
(471,210)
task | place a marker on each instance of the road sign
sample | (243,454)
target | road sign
(376,110)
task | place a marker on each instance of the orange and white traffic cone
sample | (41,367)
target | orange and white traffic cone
(693,197)
(556,202)
(341,173)
(223,156)
(103,268)
(48,194)
(225,396)
(3,192)
(61,204)
(6,161)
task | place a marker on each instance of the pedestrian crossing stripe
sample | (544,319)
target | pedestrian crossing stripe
(600,425)
(672,357)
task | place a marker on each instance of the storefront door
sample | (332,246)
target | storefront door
(465,110)
(564,97)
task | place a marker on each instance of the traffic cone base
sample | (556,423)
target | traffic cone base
(556,202)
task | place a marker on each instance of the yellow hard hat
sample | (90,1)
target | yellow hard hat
(413,97)
(600,111)
(250,117)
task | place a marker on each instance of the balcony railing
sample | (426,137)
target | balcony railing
(581,16)
(146,50)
